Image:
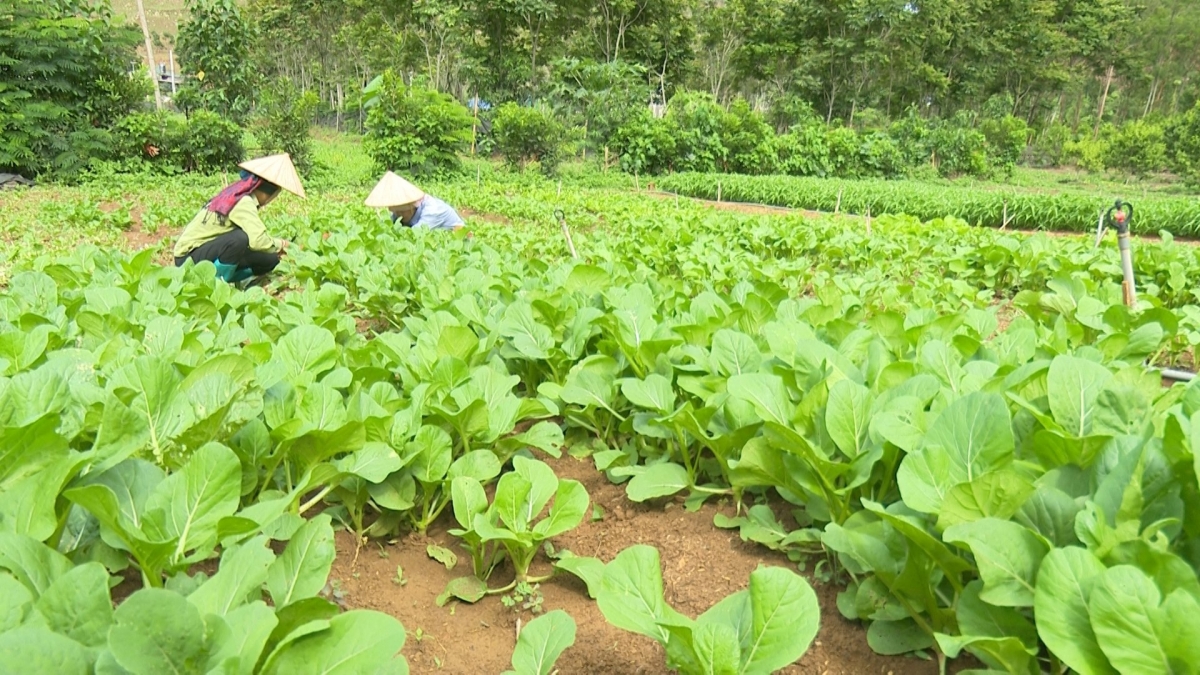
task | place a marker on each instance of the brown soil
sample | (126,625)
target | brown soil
(701,565)
(740,207)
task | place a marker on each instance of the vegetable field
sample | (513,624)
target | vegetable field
(994,206)
(713,443)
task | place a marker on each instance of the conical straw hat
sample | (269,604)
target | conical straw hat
(277,169)
(392,190)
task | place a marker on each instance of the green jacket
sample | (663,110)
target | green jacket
(207,226)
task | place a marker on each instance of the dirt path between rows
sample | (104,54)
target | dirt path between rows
(701,565)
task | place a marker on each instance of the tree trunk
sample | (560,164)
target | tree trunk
(141,10)
(1108,77)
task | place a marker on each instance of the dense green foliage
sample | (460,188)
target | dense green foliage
(285,118)
(524,135)
(170,143)
(64,79)
(414,130)
(1025,209)
(214,49)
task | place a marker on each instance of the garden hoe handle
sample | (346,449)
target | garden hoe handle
(562,221)
(1120,218)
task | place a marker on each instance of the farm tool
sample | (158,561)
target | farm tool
(1119,217)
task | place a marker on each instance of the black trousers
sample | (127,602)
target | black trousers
(233,248)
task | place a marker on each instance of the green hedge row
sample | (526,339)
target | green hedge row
(1026,211)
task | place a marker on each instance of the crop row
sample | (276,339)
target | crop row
(1018,209)
(1024,492)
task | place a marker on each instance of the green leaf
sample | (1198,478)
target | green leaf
(971,437)
(157,631)
(1130,627)
(250,627)
(658,480)
(479,465)
(631,593)
(567,511)
(356,642)
(34,564)
(1073,386)
(541,642)
(766,393)
(530,338)
(78,605)
(785,618)
(512,500)
(186,506)
(998,494)
(40,651)
(847,416)
(717,649)
(15,603)
(307,352)
(589,570)
(243,570)
(734,353)
(468,500)
(432,454)
(979,618)
(442,555)
(374,462)
(303,568)
(469,589)
(897,637)
(653,393)
(1008,556)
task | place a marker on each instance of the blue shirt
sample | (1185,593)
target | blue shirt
(434,214)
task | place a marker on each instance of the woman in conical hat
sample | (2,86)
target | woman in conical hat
(412,207)
(228,230)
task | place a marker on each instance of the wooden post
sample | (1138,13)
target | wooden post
(475,121)
(1004,216)
(868,221)
(141,10)
(637,185)
(718,192)
(606,159)
(837,208)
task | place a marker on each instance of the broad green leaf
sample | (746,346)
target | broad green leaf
(541,642)
(243,570)
(361,641)
(589,570)
(998,494)
(78,606)
(512,500)
(187,505)
(1005,654)
(717,649)
(249,628)
(468,500)
(374,462)
(766,393)
(39,651)
(307,351)
(979,618)
(303,568)
(897,637)
(653,393)
(157,631)
(443,555)
(543,484)
(847,416)
(479,465)
(631,593)
(1051,513)
(1130,627)
(431,451)
(567,511)
(1008,556)
(15,602)
(530,338)
(734,353)
(656,481)
(1074,385)
(156,396)
(785,618)
(34,564)
(972,437)
(470,589)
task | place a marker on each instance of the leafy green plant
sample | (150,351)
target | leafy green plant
(513,521)
(284,119)
(61,615)
(214,50)
(1138,148)
(759,630)
(541,642)
(528,134)
(414,130)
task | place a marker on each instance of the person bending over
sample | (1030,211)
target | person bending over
(228,231)
(411,207)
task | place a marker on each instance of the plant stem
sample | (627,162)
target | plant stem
(315,500)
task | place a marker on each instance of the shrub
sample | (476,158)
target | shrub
(414,130)
(1182,136)
(749,142)
(1138,148)
(1086,153)
(64,80)
(1049,148)
(698,120)
(205,143)
(958,149)
(645,144)
(285,117)
(525,135)
(912,133)
(843,146)
(880,156)
(804,151)
(1006,139)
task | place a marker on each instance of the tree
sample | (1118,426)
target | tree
(65,77)
(214,50)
